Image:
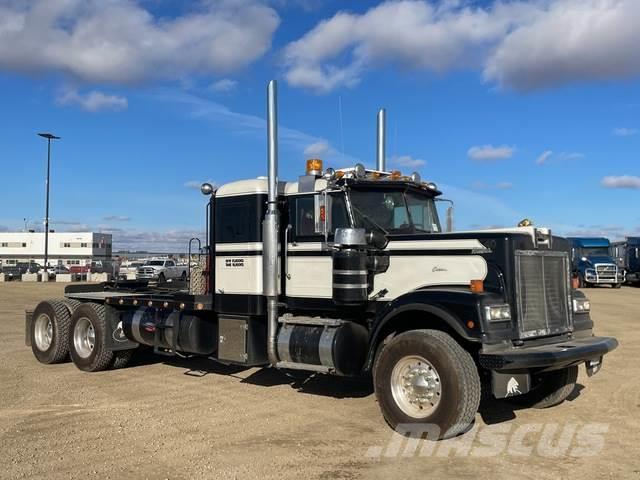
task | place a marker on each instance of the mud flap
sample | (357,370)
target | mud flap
(593,366)
(510,384)
(117,340)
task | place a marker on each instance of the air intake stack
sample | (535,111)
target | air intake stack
(381,161)
(271,225)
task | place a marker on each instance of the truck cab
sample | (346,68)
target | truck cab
(593,264)
(347,272)
(627,254)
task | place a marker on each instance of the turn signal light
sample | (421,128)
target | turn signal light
(476,286)
(314,167)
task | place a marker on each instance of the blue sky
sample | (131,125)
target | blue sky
(515,109)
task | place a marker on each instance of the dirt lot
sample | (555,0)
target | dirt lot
(151,420)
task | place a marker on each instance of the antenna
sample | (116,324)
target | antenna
(341,127)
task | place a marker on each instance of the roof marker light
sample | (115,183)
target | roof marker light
(314,167)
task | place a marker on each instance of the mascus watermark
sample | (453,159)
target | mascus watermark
(551,440)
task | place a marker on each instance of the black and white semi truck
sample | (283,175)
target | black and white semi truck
(347,272)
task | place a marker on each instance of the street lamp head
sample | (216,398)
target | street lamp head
(49,136)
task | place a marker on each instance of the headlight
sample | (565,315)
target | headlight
(497,313)
(581,305)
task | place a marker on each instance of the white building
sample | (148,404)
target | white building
(65,248)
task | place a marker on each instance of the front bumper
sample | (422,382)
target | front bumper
(593,276)
(548,356)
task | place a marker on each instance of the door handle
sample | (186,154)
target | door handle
(286,252)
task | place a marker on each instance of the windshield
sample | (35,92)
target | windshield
(394,211)
(155,263)
(595,252)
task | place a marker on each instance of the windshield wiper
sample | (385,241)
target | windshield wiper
(369,219)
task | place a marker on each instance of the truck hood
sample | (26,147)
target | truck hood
(599,259)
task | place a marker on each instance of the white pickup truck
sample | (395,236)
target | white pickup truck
(161,270)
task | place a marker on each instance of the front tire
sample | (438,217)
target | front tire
(426,377)
(50,332)
(617,285)
(550,388)
(162,278)
(87,344)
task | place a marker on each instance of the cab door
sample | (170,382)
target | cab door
(313,218)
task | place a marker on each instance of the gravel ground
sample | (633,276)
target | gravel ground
(152,420)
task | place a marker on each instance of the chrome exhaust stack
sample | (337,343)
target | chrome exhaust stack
(271,225)
(381,141)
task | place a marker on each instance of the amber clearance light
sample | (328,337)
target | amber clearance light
(476,286)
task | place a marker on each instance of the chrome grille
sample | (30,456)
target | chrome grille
(543,288)
(606,271)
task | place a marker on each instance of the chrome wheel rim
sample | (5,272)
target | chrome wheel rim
(84,337)
(416,386)
(43,332)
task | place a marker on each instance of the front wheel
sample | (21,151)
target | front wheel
(425,377)
(617,285)
(162,278)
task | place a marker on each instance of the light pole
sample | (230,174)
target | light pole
(49,137)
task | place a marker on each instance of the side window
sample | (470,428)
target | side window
(239,219)
(307,215)
(339,216)
(169,263)
(305,218)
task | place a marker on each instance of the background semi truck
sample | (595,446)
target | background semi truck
(593,264)
(347,272)
(627,255)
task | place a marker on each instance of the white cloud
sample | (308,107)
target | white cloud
(408,161)
(524,45)
(490,153)
(119,41)
(625,132)
(549,157)
(93,101)
(621,181)
(223,85)
(117,218)
(196,184)
(243,123)
(317,149)
(542,159)
(173,241)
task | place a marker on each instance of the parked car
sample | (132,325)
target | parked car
(12,272)
(57,270)
(128,270)
(161,270)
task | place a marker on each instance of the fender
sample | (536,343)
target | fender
(454,306)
